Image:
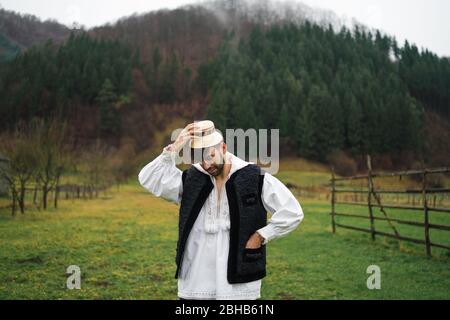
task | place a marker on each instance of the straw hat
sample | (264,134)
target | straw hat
(205,135)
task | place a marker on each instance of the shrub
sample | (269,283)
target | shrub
(343,164)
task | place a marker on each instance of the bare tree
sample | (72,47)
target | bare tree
(19,164)
(96,168)
(51,154)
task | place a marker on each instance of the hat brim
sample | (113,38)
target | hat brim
(206,141)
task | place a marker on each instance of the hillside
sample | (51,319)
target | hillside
(278,65)
(195,31)
(19,32)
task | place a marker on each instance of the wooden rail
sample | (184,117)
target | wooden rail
(374,194)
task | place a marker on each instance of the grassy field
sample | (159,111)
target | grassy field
(125,247)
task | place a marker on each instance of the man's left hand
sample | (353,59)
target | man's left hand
(255,241)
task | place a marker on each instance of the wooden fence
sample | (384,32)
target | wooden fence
(64,191)
(373,199)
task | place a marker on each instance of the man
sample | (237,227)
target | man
(223,228)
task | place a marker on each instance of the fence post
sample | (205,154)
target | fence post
(425,211)
(13,206)
(333,200)
(369,196)
(35,195)
(56,192)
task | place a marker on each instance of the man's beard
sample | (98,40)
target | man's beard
(215,170)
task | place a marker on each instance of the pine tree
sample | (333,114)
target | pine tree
(355,127)
(109,114)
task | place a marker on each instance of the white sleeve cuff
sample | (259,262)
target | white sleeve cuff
(268,233)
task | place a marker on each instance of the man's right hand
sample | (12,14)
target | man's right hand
(185,135)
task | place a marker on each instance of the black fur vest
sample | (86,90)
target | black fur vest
(247,214)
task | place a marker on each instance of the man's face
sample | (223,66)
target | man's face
(213,160)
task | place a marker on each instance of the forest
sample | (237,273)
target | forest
(328,90)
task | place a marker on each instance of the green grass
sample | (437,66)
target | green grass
(125,247)
(304,179)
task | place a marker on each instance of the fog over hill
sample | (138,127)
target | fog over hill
(268,12)
(264,12)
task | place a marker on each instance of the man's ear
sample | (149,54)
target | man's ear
(224,148)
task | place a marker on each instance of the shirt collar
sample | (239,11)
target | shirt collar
(236,164)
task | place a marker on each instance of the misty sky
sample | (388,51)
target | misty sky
(424,22)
